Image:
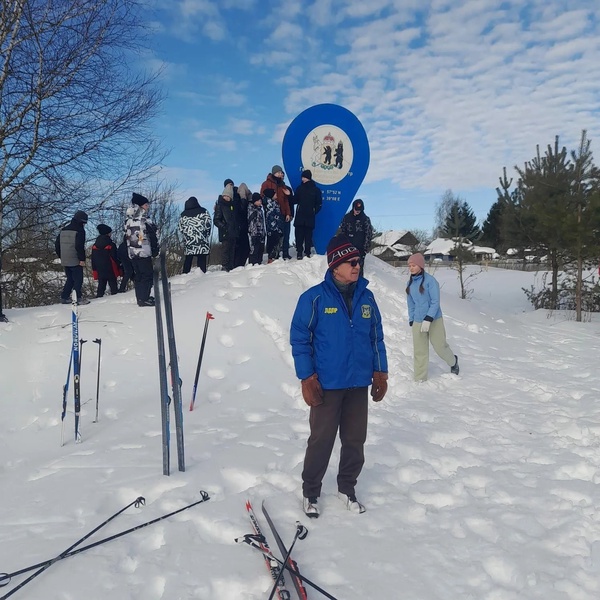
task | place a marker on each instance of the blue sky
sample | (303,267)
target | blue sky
(448,91)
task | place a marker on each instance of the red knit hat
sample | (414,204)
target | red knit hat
(339,250)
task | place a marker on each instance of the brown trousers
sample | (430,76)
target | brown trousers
(346,410)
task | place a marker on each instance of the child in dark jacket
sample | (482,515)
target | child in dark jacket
(274,224)
(123,254)
(105,263)
(256,229)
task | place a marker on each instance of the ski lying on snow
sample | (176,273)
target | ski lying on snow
(272,565)
(300,589)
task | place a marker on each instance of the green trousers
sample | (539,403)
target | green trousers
(437,337)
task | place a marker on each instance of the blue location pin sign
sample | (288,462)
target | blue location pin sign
(330,141)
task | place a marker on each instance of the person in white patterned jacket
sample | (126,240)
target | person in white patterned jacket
(196,225)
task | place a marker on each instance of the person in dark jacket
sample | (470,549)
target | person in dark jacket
(337,344)
(273,224)
(126,265)
(287,224)
(142,245)
(105,262)
(357,226)
(242,198)
(70,248)
(196,225)
(308,200)
(226,221)
(283,195)
(256,229)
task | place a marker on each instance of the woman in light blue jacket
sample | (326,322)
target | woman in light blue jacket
(425,318)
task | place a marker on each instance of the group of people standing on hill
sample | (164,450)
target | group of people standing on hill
(130,260)
(251,223)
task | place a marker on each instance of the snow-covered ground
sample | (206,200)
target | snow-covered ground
(483,486)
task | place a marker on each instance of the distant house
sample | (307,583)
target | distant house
(394,245)
(443,248)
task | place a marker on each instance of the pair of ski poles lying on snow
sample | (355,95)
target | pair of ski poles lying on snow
(257,541)
(5,578)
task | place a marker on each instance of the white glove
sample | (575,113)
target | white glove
(425,325)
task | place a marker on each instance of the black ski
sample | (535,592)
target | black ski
(296,580)
(174,362)
(270,560)
(162,375)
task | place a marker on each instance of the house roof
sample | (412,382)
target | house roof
(445,246)
(389,238)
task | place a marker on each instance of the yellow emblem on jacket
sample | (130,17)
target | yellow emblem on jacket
(330,311)
(366,311)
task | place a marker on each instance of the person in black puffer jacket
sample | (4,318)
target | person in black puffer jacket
(105,262)
(308,200)
(357,226)
(242,197)
(226,220)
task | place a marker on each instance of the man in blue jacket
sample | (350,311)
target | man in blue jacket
(338,349)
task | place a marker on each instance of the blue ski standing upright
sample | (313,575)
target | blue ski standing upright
(76,364)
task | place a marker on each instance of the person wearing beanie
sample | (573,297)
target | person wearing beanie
(226,221)
(425,319)
(256,229)
(81,216)
(284,197)
(195,225)
(308,199)
(357,226)
(139,200)
(70,248)
(142,246)
(105,262)
(337,343)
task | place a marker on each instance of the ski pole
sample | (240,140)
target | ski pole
(301,533)
(208,318)
(300,589)
(6,577)
(253,541)
(81,343)
(99,342)
(64,402)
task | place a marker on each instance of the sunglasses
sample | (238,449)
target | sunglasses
(354,262)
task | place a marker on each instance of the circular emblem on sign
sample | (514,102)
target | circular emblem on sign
(327,152)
